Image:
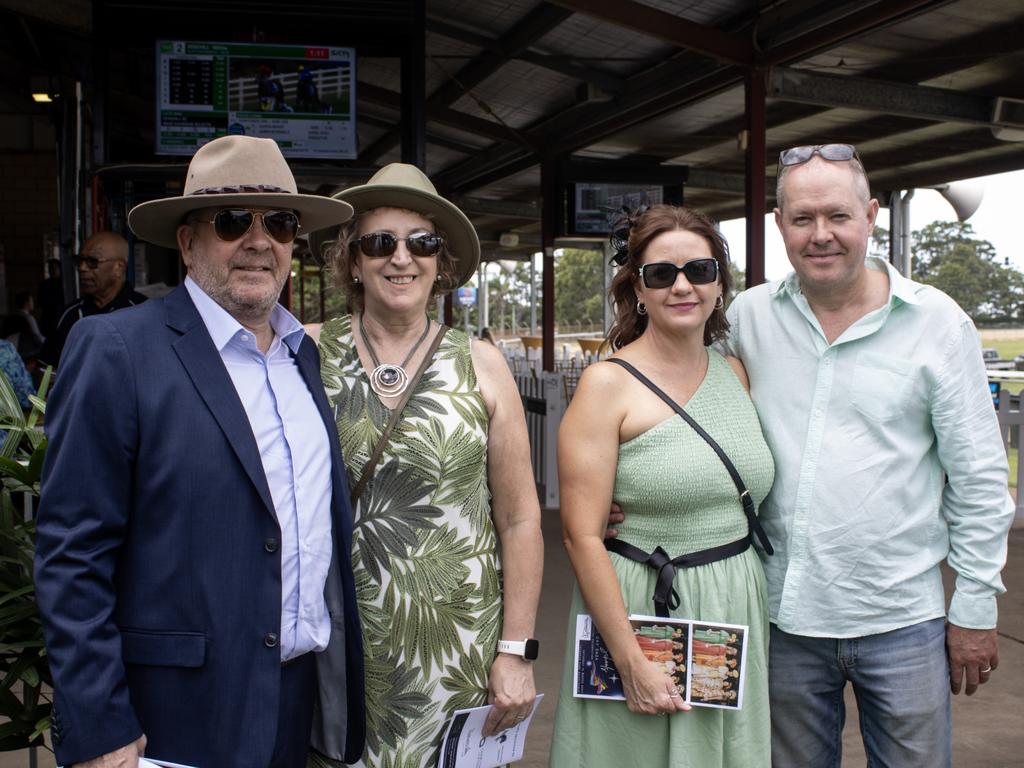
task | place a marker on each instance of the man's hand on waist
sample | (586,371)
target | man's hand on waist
(973,656)
(125,757)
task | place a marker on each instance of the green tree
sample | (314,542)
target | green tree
(579,287)
(950,257)
(879,243)
(739,278)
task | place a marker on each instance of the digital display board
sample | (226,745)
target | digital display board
(593,206)
(301,96)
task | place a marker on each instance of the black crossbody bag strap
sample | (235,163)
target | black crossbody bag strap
(745,498)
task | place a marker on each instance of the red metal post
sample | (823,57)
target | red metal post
(754,91)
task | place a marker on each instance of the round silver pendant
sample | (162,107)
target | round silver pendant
(389,380)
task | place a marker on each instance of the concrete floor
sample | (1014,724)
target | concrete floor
(987,728)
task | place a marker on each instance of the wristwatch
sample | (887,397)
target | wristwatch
(528,649)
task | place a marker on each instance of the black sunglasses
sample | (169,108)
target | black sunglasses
(838,153)
(380,244)
(231,224)
(662,274)
(90,261)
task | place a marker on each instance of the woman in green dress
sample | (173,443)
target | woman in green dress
(620,441)
(446,549)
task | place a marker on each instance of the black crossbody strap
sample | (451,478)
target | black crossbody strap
(745,499)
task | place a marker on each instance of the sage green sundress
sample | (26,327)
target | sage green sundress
(677,494)
(424,548)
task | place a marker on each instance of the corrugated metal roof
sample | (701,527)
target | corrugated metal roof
(657,82)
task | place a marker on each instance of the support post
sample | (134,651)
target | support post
(754,92)
(484,300)
(414,89)
(550,211)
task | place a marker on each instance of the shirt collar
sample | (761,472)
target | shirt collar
(899,287)
(223,327)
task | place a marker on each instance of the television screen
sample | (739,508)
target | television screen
(593,206)
(303,97)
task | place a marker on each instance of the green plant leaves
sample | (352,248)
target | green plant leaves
(23,667)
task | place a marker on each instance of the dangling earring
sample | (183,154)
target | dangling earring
(641,308)
(720,302)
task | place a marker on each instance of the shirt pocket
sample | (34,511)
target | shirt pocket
(881,385)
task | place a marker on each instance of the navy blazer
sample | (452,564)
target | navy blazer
(158,574)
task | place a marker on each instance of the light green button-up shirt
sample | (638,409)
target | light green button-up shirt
(862,431)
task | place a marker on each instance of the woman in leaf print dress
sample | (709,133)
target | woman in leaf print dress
(447,548)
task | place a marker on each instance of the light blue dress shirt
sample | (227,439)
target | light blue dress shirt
(296,457)
(862,431)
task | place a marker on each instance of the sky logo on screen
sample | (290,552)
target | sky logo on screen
(317,53)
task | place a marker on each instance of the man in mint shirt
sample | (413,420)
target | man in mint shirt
(870,389)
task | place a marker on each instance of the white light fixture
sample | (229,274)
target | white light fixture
(508,240)
(964,196)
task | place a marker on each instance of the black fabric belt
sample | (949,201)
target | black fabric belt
(665,596)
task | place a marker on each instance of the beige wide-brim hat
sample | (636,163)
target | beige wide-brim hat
(400,185)
(241,171)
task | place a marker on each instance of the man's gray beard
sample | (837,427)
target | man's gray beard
(255,311)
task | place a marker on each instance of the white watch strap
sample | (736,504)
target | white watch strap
(515,647)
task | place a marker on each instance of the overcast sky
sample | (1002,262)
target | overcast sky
(1000,220)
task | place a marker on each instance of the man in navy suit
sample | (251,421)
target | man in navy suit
(194,530)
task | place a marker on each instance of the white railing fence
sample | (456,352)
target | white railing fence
(331,82)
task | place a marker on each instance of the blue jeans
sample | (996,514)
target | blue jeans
(900,678)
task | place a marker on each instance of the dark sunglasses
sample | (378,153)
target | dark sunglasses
(90,261)
(233,223)
(380,244)
(662,274)
(839,153)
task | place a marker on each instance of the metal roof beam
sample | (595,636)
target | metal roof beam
(574,128)
(449,117)
(537,23)
(700,178)
(917,101)
(936,149)
(710,41)
(880,14)
(432,137)
(1010,158)
(561,64)
(478,206)
(936,62)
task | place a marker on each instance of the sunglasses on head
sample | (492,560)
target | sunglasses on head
(380,244)
(662,274)
(838,153)
(233,223)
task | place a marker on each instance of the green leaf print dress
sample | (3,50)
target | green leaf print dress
(424,548)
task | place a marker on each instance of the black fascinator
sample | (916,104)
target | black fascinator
(622,222)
